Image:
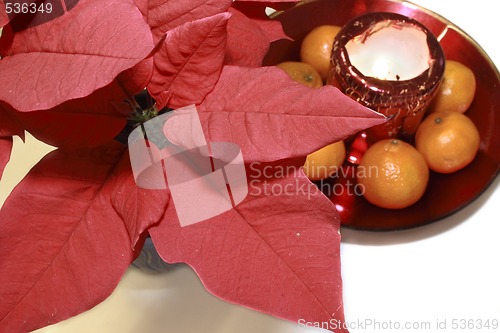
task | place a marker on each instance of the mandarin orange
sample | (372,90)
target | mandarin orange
(448,141)
(316,48)
(325,162)
(457,89)
(302,73)
(393,174)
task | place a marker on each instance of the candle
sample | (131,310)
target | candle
(391,64)
(390,50)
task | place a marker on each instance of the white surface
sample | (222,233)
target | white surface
(445,271)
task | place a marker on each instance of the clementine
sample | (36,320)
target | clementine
(393,174)
(325,162)
(457,89)
(448,141)
(302,73)
(316,48)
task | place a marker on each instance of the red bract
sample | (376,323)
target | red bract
(191,56)
(63,246)
(88,121)
(96,46)
(164,15)
(133,80)
(256,11)
(247,44)
(272,29)
(82,122)
(5,149)
(137,208)
(277,252)
(4,19)
(8,128)
(271,117)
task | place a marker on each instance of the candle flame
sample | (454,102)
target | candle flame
(381,68)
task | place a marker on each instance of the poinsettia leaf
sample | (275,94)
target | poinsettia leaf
(55,67)
(162,99)
(140,208)
(135,79)
(9,126)
(63,246)
(56,247)
(256,11)
(30,13)
(277,252)
(63,129)
(247,44)
(4,18)
(143,6)
(84,122)
(164,15)
(5,150)
(88,121)
(271,117)
(190,61)
(273,29)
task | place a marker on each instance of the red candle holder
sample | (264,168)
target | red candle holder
(401,95)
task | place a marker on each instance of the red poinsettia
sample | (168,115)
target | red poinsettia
(71,228)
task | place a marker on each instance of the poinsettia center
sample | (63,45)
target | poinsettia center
(140,115)
(143,109)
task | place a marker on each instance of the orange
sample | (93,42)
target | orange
(325,162)
(457,90)
(302,73)
(316,48)
(393,174)
(448,141)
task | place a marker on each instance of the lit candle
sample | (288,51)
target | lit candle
(389,63)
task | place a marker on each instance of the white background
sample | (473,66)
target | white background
(445,271)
